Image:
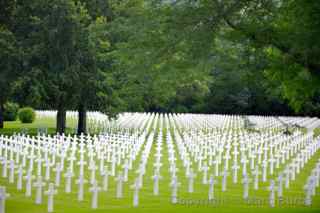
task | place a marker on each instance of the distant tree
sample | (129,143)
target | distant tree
(8,67)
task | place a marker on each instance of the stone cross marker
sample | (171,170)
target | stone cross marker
(119,180)
(272,194)
(105,178)
(68,176)
(136,187)
(205,170)
(212,182)
(280,185)
(156,179)
(235,169)
(174,186)
(28,179)
(80,182)
(191,178)
(39,184)
(20,177)
(94,190)
(224,180)
(3,197)
(245,182)
(50,193)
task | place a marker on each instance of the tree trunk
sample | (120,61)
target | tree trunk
(1,115)
(82,119)
(61,120)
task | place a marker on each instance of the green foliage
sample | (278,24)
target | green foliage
(8,62)
(288,35)
(27,115)
(6,10)
(10,111)
(232,56)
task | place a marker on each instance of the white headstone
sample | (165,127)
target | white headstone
(95,191)
(212,182)
(50,193)
(39,184)
(3,197)
(119,180)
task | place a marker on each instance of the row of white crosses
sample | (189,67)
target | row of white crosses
(59,156)
(48,150)
(292,170)
(313,182)
(96,121)
(204,150)
(174,182)
(191,121)
(273,150)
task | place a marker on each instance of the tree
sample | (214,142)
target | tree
(287,32)
(50,32)
(6,12)
(8,67)
(99,81)
(95,77)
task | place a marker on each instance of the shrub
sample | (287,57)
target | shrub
(10,111)
(27,115)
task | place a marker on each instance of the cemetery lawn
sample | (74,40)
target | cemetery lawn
(316,132)
(148,203)
(67,203)
(12,127)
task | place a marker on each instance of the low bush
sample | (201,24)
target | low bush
(27,115)
(10,111)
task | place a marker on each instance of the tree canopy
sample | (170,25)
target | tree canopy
(232,56)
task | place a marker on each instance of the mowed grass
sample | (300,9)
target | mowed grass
(12,127)
(148,203)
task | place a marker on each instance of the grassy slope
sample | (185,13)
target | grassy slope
(67,203)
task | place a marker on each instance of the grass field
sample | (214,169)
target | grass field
(11,127)
(231,199)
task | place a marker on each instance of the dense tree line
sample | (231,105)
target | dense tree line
(232,56)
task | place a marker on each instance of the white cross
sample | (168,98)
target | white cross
(205,169)
(272,194)
(212,182)
(20,177)
(191,177)
(156,179)
(174,186)
(224,180)
(235,169)
(136,187)
(39,184)
(68,175)
(95,190)
(105,181)
(80,182)
(58,171)
(245,182)
(256,173)
(227,157)
(3,197)
(28,179)
(120,180)
(51,192)
(11,174)
(280,185)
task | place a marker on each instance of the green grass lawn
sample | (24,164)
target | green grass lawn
(11,127)
(316,132)
(148,203)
